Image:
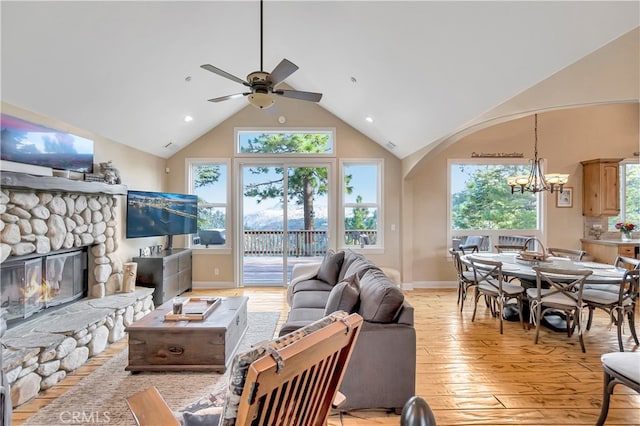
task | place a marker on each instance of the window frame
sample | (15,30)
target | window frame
(189,164)
(378,247)
(329,130)
(622,174)
(494,234)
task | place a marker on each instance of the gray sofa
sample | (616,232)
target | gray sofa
(382,369)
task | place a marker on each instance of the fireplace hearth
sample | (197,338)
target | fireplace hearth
(32,284)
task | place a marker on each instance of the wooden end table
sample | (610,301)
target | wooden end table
(207,345)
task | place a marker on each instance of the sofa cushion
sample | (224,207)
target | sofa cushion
(312,285)
(380,299)
(343,297)
(358,267)
(349,257)
(330,267)
(305,314)
(309,299)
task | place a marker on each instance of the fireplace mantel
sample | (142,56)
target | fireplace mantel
(58,184)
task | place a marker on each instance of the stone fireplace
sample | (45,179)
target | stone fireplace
(58,244)
(32,284)
(40,215)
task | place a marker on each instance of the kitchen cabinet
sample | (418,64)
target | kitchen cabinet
(606,251)
(601,187)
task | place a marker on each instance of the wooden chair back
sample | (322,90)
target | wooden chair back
(566,253)
(509,248)
(298,384)
(626,263)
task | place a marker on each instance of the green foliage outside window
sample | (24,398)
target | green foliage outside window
(630,194)
(486,202)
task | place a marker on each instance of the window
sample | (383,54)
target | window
(361,203)
(282,142)
(482,208)
(629,194)
(208,179)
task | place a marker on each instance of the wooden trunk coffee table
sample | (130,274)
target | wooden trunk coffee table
(207,345)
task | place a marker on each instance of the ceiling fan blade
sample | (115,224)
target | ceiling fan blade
(283,70)
(224,98)
(223,74)
(296,94)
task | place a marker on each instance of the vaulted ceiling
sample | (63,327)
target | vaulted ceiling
(423,70)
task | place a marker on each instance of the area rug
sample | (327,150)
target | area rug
(100,397)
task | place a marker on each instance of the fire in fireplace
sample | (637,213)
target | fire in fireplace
(31,284)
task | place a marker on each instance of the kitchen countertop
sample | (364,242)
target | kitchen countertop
(611,242)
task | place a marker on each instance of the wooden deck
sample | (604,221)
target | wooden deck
(268,270)
(467,372)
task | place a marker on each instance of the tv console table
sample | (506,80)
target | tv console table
(168,272)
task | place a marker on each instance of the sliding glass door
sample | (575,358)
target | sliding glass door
(285,219)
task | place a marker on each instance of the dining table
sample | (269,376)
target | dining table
(514,266)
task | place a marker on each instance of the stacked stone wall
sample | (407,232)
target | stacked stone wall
(33,222)
(39,354)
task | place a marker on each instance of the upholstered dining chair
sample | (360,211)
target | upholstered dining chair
(558,290)
(566,253)
(619,369)
(619,305)
(472,244)
(466,278)
(490,283)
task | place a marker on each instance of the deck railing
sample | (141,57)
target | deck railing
(299,243)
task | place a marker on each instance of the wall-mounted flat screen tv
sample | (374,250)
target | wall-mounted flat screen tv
(29,143)
(152,214)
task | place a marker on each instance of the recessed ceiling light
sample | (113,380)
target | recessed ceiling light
(369,119)
(188,118)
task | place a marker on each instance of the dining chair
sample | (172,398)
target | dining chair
(619,369)
(621,262)
(491,284)
(566,253)
(619,306)
(472,244)
(558,290)
(626,262)
(466,278)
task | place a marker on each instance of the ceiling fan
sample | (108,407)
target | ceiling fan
(262,84)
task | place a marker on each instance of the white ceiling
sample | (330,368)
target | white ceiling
(424,69)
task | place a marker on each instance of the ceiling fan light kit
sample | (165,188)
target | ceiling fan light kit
(261,100)
(263,84)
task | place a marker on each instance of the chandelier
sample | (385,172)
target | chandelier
(536,181)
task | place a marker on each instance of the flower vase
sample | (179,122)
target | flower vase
(626,236)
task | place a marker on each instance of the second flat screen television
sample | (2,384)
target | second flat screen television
(152,214)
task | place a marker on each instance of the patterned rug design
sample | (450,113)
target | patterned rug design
(100,397)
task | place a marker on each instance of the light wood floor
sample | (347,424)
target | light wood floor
(468,372)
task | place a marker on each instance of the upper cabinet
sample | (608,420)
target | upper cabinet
(601,187)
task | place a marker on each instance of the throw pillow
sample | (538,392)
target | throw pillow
(330,267)
(380,299)
(343,297)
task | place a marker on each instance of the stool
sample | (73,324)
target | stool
(619,368)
